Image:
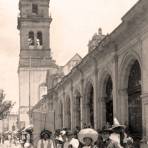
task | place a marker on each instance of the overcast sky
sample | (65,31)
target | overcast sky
(74,23)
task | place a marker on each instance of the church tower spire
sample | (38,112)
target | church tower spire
(35,53)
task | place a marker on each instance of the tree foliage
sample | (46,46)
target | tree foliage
(5,105)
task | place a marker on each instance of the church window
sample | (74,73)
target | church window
(39,39)
(34,8)
(31,38)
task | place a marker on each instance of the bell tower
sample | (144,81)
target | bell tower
(35,53)
(34,24)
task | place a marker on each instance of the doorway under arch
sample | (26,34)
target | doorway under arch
(77,109)
(89,103)
(109,100)
(68,113)
(134,100)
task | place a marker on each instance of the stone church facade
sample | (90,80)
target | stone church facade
(110,81)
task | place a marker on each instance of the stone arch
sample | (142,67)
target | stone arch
(77,108)
(125,66)
(130,93)
(89,104)
(106,89)
(67,113)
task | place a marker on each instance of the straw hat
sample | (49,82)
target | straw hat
(63,132)
(28,128)
(117,126)
(89,133)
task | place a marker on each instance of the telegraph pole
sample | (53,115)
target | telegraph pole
(29,90)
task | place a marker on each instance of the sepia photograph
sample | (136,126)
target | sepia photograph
(73,73)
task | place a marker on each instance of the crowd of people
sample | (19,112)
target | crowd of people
(114,136)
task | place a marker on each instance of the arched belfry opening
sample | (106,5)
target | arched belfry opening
(77,109)
(67,113)
(134,100)
(31,38)
(108,100)
(39,38)
(89,104)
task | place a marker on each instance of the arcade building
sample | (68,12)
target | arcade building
(110,81)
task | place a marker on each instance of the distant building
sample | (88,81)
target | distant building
(10,123)
(75,60)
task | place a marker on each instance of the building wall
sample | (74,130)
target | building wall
(37,77)
(113,57)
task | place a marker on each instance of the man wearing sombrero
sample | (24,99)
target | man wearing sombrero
(28,136)
(88,137)
(117,135)
(45,140)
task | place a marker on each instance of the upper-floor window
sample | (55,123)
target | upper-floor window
(31,38)
(39,38)
(34,8)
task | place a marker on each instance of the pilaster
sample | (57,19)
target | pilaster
(144,95)
(123,95)
(95,104)
(116,101)
(145,115)
(72,105)
(64,116)
(82,110)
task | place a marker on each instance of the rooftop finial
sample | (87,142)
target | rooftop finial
(100,31)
